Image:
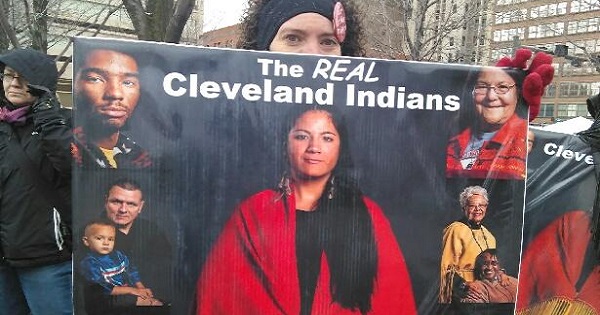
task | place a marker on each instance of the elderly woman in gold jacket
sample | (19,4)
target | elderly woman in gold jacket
(462,241)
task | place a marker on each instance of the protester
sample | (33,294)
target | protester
(462,241)
(313,245)
(325,27)
(35,200)
(110,274)
(107,90)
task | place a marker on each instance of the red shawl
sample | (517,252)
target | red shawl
(501,157)
(252,268)
(552,264)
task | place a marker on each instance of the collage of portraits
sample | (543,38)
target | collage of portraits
(220,196)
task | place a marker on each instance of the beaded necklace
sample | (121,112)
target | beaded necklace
(475,238)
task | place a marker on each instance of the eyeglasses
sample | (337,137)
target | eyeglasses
(473,207)
(9,77)
(482,89)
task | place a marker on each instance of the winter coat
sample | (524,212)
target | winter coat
(35,171)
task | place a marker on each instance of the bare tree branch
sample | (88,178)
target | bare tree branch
(138,17)
(183,10)
(6,27)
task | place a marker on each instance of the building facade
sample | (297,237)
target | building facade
(550,25)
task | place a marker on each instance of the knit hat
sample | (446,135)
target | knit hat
(38,68)
(277,12)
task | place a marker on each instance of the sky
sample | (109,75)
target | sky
(222,13)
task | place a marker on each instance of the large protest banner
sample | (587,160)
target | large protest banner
(559,268)
(199,156)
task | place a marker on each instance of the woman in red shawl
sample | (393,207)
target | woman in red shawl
(314,244)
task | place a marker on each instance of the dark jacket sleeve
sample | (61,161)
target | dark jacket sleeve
(53,125)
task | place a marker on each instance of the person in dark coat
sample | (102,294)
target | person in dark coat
(35,190)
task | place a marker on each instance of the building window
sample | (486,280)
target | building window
(546,110)
(583,26)
(550,91)
(572,110)
(584,6)
(578,89)
(508,34)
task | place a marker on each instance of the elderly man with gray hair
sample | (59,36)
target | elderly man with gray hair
(462,242)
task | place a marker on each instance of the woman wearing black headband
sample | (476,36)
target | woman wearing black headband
(327,27)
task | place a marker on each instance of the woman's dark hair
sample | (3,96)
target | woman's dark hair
(352,45)
(348,239)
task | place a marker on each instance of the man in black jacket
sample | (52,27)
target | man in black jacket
(35,195)
(143,241)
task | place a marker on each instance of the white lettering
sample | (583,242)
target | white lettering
(559,151)
(168,84)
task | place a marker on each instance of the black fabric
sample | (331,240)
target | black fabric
(99,303)
(277,12)
(148,248)
(309,249)
(593,105)
(38,68)
(592,137)
(29,236)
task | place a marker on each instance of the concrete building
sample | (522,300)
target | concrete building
(226,37)
(546,25)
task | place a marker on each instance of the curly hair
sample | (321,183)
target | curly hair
(352,46)
(470,192)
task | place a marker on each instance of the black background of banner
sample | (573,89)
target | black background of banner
(214,153)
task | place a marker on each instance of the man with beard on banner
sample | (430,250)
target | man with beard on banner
(560,268)
(107,90)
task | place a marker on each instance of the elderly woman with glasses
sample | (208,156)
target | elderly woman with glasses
(463,241)
(494,145)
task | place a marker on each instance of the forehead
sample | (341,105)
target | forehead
(489,257)
(315,117)
(101,229)
(493,75)
(8,69)
(308,22)
(125,193)
(110,60)
(476,198)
